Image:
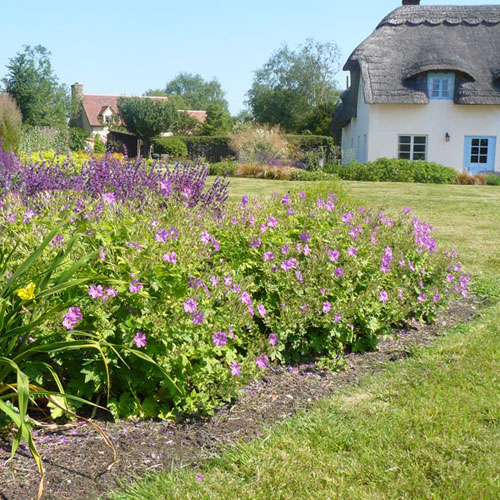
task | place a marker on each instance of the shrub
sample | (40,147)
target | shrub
(314,151)
(394,170)
(261,144)
(264,171)
(213,148)
(493,179)
(99,146)
(172,146)
(77,139)
(213,299)
(223,168)
(10,123)
(469,179)
(44,138)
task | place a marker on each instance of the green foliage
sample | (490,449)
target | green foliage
(196,93)
(10,124)
(314,151)
(492,179)
(77,139)
(31,81)
(213,148)
(394,170)
(146,117)
(223,168)
(184,124)
(172,146)
(218,120)
(44,138)
(295,88)
(306,175)
(99,146)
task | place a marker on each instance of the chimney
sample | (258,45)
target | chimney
(411,2)
(76,90)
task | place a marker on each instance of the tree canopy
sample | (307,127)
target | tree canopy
(147,118)
(30,80)
(293,86)
(191,91)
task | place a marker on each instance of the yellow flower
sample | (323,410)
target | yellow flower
(27,293)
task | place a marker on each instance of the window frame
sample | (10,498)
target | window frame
(440,78)
(412,144)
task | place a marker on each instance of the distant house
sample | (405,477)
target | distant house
(99,113)
(425,85)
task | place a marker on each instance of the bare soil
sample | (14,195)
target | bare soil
(74,458)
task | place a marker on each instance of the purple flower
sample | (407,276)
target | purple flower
(326,307)
(285,249)
(110,292)
(421,297)
(262,310)
(140,340)
(102,255)
(353,251)
(400,293)
(109,198)
(245,298)
(304,237)
(170,257)
(383,297)
(198,318)
(190,305)
(199,477)
(28,215)
(436,297)
(407,210)
(96,291)
(262,361)
(135,286)
(337,318)
(57,241)
(268,256)
(285,199)
(273,339)
(161,236)
(339,271)
(72,317)
(255,242)
(333,255)
(205,238)
(286,265)
(235,368)
(272,222)
(219,338)
(244,201)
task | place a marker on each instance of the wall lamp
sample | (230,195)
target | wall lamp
(447,137)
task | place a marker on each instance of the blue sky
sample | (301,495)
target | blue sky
(127,47)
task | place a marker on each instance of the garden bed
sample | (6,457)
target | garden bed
(74,458)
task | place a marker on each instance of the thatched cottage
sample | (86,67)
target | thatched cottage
(425,85)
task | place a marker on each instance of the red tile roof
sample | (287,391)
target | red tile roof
(94,105)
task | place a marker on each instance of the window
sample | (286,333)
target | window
(412,147)
(440,85)
(479,153)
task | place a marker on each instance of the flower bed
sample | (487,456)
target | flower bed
(213,296)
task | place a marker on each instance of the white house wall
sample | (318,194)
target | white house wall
(435,119)
(355,136)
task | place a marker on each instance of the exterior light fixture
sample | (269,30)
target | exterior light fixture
(447,137)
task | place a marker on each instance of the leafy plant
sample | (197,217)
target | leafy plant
(175,147)
(99,146)
(10,124)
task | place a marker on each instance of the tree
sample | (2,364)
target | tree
(217,122)
(10,124)
(184,124)
(196,93)
(293,84)
(146,117)
(43,101)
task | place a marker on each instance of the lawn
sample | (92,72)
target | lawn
(427,427)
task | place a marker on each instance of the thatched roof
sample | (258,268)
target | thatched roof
(415,39)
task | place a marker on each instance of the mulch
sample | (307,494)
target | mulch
(74,458)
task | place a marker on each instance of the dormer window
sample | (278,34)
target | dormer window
(440,85)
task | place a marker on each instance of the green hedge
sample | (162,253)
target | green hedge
(173,146)
(394,170)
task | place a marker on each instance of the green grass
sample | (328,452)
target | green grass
(426,428)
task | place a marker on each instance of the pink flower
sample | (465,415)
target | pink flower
(109,198)
(383,297)
(326,307)
(135,286)
(102,255)
(333,255)
(235,368)
(161,236)
(96,291)
(421,297)
(286,265)
(170,257)
(190,305)
(262,361)
(140,340)
(72,317)
(272,222)
(337,318)
(400,293)
(339,271)
(205,238)
(199,477)
(353,251)
(262,310)
(273,339)
(268,256)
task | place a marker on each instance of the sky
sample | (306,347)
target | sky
(127,47)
